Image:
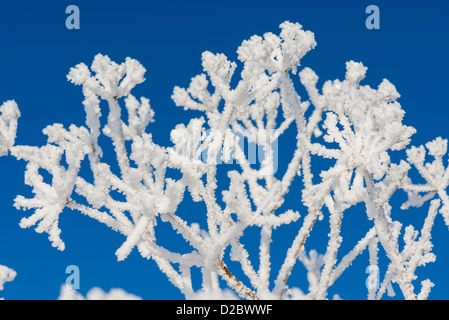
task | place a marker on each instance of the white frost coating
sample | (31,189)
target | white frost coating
(217,294)
(6,275)
(9,113)
(68,293)
(355,126)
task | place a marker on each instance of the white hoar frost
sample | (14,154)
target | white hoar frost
(354,125)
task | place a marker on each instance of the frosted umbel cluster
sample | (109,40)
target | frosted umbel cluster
(354,127)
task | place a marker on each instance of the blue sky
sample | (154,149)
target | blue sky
(410,49)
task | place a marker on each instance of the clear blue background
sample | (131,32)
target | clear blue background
(410,49)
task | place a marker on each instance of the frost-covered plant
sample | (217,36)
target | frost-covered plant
(6,275)
(355,126)
(68,293)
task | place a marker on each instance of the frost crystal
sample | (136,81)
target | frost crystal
(355,126)
(6,275)
(68,293)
